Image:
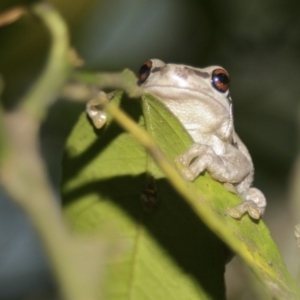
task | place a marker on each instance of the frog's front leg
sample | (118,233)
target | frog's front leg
(229,166)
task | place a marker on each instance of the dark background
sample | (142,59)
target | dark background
(258,42)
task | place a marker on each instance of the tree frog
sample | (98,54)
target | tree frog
(201,100)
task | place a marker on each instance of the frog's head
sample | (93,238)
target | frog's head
(192,94)
(163,79)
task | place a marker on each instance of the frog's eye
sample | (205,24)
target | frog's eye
(145,71)
(220,80)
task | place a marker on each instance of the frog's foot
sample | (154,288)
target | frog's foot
(186,172)
(254,204)
(194,161)
(183,164)
(94,109)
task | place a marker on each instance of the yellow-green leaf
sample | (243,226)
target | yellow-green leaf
(249,238)
(169,253)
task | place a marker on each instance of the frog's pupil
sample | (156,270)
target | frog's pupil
(223,78)
(220,80)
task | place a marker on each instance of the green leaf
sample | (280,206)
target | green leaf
(170,253)
(247,237)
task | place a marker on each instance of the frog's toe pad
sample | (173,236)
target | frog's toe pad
(249,207)
(185,171)
(254,204)
(188,174)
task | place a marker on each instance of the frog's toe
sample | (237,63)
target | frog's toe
(254,204)
(249,207)
(257,204)
(238,211)
(188,174)
(255,211)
